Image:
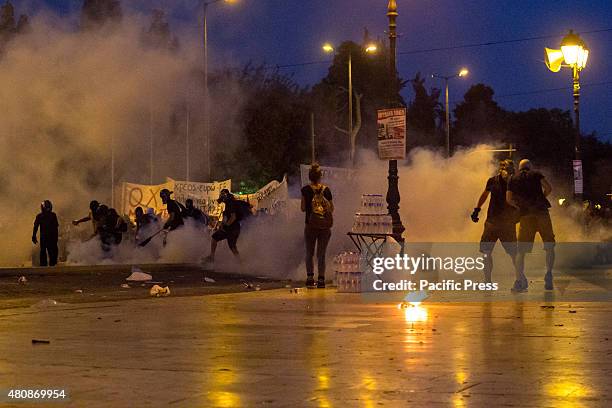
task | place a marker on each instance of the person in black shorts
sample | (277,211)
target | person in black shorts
(175,218)
(230,226)
(501,217)
(527,191)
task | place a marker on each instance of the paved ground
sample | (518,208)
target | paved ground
(317,348)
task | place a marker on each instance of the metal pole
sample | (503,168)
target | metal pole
(150,143)
(206,94)
(312,136)
(578,153)
(393,195)
(187,164)
(350,109)
(112,170)
(447,115)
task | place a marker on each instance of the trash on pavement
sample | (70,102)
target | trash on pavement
(209,280)
(296,290)
(38,341)
(138,275)
(22,280)
(78,291)
(125,286)
(158,291)
(43,304)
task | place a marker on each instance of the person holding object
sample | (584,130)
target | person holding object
(527,191)
(230,225)
(501,217)
(318,208)
(175,217)
(49,226)
(92,216)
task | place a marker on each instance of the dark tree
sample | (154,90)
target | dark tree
(329,99)
(8,28)
(98,13)
(158,35)
(478,118)
(421,115)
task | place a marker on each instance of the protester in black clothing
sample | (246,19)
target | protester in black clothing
(49,226)
(175,218)
(230,226)
(318,208)
(92,216)
(194,213)
(501,217)
(527,191)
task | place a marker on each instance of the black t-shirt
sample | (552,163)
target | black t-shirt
(308,194)
(47,222)
(173,208)
(498,210)
(231,207)
(526,187)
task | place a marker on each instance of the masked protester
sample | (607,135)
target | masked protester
(230,225)
(175,219)
(527,191)
(318,206)
(49,226)
(92,216)
(501,217)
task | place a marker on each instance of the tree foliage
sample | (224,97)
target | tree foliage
(99,13)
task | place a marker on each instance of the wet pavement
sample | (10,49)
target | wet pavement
(317,348)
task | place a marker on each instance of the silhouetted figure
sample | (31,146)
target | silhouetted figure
(230,226)
(194,213)
(92,216)
(49,226)
(174,209)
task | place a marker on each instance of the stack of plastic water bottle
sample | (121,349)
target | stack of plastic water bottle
(372,217)
(348,275)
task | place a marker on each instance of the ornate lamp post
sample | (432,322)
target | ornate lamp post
(574,52)
(393,194)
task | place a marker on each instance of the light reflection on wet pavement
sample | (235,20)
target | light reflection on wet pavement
(317,348)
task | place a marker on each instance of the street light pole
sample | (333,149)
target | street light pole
(461,73)
(393,194)
(350,108)
(206,95)
(576,87)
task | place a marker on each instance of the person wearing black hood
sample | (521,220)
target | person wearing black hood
(194,213)
(230,226)
(92,216)
(174,209)
(49,226)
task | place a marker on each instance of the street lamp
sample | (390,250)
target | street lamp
(368,49)
(462,73)
(205,5)
(574,52)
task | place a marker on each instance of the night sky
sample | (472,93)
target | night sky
(292,32)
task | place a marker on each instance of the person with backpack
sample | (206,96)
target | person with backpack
(318,207)
(230,225)
(174,208)
(49,226)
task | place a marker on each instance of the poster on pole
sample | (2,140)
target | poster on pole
(392,134)
(578,177)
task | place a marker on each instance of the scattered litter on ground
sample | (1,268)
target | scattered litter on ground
(117,321)
(38,341)
(572,311)
(247,285)
(209,280)
(547,307)
(158,291)
(257,287)
(125,286)
(296,290)
(78,291)
(45,303)
(288,286)
(138,275)
(22,280)
(558,325)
